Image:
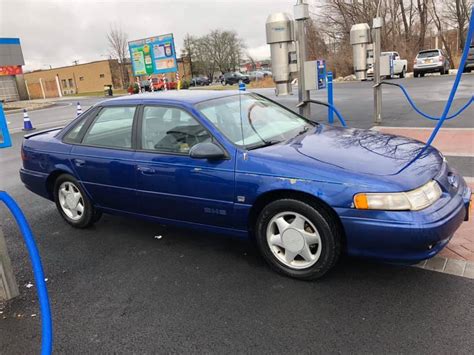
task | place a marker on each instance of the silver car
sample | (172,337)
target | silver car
(430,61)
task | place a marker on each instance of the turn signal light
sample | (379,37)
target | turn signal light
(360,202)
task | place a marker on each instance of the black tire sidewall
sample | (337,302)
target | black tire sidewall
(330,240)
(90,215)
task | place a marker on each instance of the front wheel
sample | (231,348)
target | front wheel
(73,203)
(297,239)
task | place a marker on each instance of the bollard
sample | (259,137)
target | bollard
(27,125)
(241,86)
(330,99)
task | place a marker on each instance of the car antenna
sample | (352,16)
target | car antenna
(241,120)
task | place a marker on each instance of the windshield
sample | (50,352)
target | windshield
(428,54)
(251,121)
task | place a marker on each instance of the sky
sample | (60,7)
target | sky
(58,32)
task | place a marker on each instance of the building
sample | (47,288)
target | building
(12,86)
(75,79)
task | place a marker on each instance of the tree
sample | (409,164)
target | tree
(216,51)
(118,47)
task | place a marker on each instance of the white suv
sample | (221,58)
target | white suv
(430,61)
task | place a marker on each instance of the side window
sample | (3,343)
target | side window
(111,128)
(73,135)
(172,130)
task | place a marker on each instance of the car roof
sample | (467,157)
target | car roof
(181,96)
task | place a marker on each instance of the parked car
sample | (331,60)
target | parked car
(258,74)
(431,61)
(240,164)
(470,59)
(159,84)
(232,78)
(145,85)
(399,65)
(200,81)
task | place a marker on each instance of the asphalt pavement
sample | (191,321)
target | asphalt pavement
(129,286)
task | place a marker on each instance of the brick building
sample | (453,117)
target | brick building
(75,79)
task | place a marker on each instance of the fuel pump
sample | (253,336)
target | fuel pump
(361,44)
(280,37)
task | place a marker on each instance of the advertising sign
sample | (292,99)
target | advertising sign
(154,55)
(10,70)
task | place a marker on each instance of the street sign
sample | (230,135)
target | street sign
(153,55)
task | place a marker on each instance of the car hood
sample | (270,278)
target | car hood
(354,156)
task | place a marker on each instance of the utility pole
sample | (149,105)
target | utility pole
(376,26)
(301,13)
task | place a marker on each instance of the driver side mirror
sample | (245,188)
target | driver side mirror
(207,150)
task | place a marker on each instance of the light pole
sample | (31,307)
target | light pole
(301,14)
(376,26)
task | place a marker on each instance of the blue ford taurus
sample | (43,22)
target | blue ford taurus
(241,164)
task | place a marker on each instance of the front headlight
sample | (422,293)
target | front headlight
(413,200)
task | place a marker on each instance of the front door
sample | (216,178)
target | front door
(171,184)
(103,160)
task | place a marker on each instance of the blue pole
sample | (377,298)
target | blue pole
(6,140)
(330,99)
(46,323)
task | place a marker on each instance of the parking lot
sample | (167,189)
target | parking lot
(127,285)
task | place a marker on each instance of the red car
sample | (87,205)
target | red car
(158,84)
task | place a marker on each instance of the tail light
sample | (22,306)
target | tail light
(23,154)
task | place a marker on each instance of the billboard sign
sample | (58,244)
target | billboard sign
(10,70)
(154,55)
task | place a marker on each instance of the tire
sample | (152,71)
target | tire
(422,75)
(402,74)
(70,186)
(416,74)
(319,228)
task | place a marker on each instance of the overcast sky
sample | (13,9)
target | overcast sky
(56,32)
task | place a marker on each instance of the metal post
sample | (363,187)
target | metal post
(376,26)
(301,14)
(330,99)
(8,286)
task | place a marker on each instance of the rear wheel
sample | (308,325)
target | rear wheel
(422,75)
(73,203)
(403,73)
(297,239)
(415,74)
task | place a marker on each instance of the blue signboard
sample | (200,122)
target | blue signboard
(154,55)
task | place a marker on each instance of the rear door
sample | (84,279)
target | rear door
(103,159)
(171,184)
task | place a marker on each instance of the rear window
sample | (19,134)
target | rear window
(428,54)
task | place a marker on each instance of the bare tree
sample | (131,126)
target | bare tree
(118,47)
(218,50)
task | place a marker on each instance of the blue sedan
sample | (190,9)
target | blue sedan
(240,164)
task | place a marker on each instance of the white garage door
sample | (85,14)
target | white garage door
(8,89)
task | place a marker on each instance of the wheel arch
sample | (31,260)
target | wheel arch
(274,195)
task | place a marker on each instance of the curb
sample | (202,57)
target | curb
(29,109)
(444,265)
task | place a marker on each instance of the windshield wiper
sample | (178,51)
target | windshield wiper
(265,144)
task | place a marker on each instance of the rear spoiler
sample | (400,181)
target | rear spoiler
(27,136)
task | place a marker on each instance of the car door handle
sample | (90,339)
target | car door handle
(146,170)
(79,162)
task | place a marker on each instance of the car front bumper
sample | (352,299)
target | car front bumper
(405,236)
